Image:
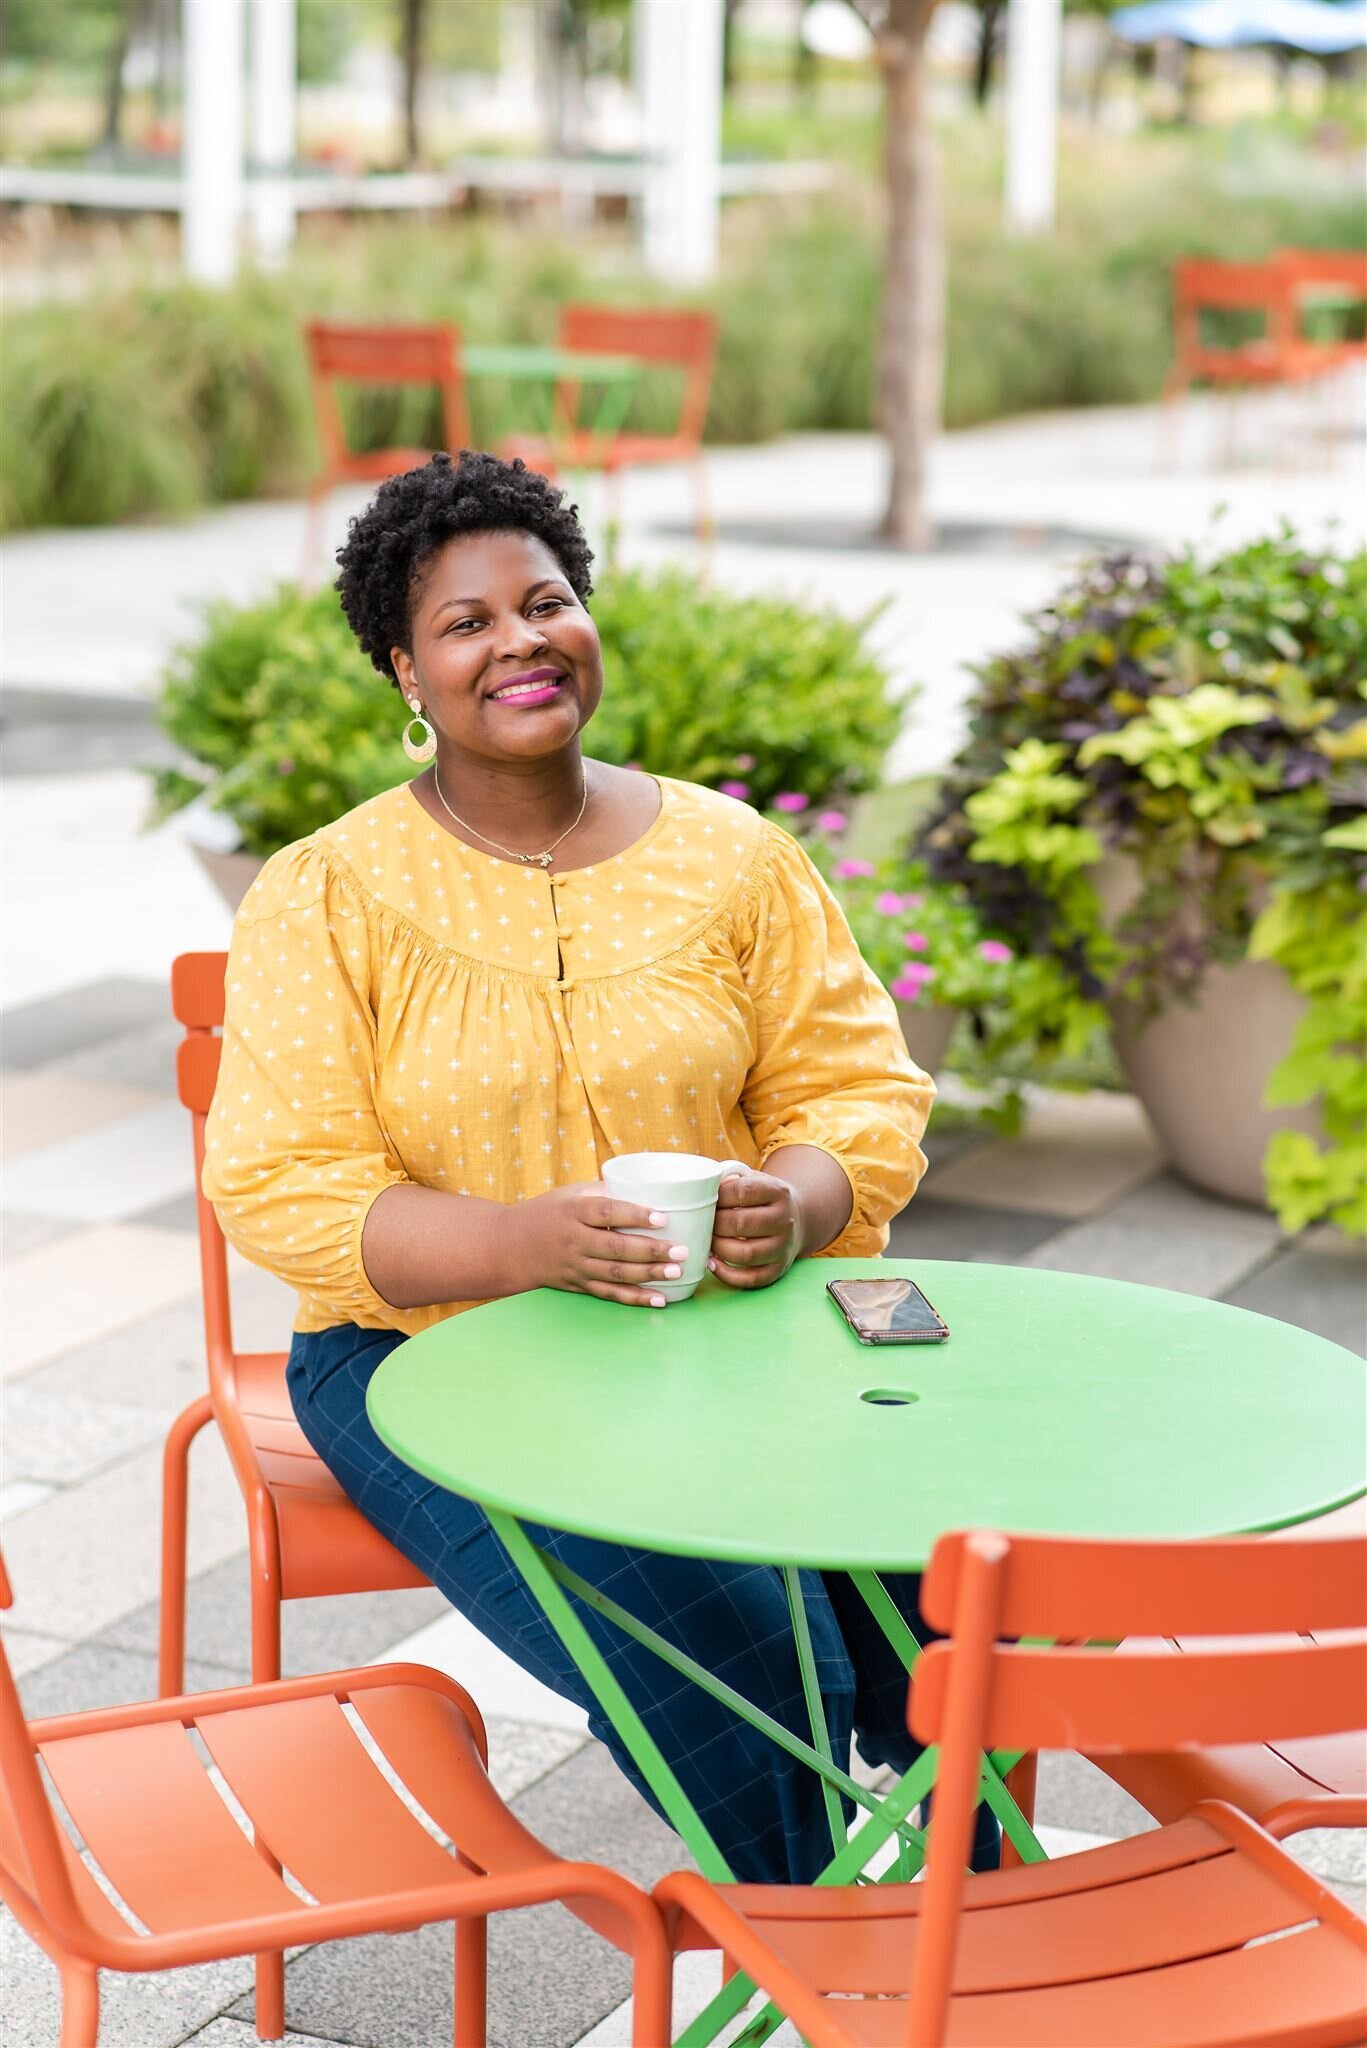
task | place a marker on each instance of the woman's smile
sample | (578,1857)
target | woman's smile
(539,686)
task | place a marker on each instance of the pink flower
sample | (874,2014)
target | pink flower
(994,950)
(848,870)
(745,762)
(791,800)
(910,982)
(913,901)
(739,790)
(915,942)
(889,904)
(832,821)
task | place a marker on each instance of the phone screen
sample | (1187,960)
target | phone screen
(889,1309)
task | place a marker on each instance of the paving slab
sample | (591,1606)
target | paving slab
(135,2012)
(158,1361)
(1074,1794)
(1324,1291)
(315,1635)
(90,1553)
(228,2033)
(27,1651)
(33,1034)
(62,1438)
(1076,1156)
(94,1675)
(144,1058)
(102,1175)
(17,1496)
(1164,1234)
(39,1108)
(85,1285)
(927,1229)
(454,1645)
(20,1234)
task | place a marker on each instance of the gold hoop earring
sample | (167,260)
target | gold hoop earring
(425,748)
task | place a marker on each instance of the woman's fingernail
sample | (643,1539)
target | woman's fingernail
(673,1272)
(657,1301)
(658,1216)
(678,1251)
(711,1265)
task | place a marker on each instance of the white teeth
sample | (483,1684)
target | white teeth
(521,689)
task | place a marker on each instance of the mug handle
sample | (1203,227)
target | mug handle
(733,1166)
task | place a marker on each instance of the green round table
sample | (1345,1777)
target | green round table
(756,1428)
(737,1425)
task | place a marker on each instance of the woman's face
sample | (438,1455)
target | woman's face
(505,660)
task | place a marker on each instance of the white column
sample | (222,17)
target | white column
(272,127)
(212,149)
(1033,38)
(678,46)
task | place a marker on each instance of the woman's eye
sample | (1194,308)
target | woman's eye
(548,604)
(456,626)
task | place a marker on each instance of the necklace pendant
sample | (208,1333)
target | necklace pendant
(542,859)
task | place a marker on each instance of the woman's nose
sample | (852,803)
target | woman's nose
(518,638)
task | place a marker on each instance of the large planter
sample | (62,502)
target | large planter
(1200,1068)
(232,874)
(927,1028)
(1200,1071)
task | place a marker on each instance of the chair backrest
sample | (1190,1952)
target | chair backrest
(197,1001)
(1345,269)
(1202,284)
(1020,1672)
(673,338)
(342,352)
(36,1857)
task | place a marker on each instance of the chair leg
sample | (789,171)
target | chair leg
(472,1965)
(1020,1783)
(652,1996)
(270,1969)
(270,1998)
(80,2007)
(175,1490)
(313,536)
(704,524)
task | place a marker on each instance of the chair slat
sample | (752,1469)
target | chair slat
(158,1829)
(359,1840)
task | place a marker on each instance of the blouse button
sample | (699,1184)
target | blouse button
(563,931)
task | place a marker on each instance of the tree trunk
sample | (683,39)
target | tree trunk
(113,81)
(414,36)
(728,45)
(989,21)
(913,306)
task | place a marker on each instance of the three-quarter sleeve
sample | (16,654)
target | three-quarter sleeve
(831,1067)
(295,1152)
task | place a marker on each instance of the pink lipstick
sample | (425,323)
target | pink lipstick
(538,686)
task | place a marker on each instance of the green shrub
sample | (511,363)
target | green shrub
(1204,719)
(285,725)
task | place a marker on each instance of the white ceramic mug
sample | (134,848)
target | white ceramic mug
(683,1186)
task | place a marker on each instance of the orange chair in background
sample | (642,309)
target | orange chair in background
(300,1759)
(1340,271)
(664,339)
(1278,355)
(304,1536)
(344,353)
(1163,1939)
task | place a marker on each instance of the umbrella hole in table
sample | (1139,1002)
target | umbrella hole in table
(889,1397)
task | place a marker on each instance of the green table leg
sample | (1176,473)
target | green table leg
(816,1710)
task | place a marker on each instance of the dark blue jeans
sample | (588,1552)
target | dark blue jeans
(763,1808)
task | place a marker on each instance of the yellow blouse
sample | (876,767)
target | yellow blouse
(402,1008)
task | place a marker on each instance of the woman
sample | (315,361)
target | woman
(446,1010)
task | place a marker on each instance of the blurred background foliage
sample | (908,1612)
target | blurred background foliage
(161,396)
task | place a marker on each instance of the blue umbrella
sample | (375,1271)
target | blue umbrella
(1313,25)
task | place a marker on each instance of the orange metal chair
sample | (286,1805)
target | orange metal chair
(344,353)
(304,1536)
(1279,355)
(299,1757)
(685,341)
(1162,1939)
(1343,271)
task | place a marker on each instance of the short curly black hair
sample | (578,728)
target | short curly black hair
(410,517)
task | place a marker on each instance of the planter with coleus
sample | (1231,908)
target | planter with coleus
(1163,794)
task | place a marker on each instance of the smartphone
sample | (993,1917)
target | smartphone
(888,1311)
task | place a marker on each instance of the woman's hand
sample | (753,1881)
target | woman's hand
(758,1230)
(575,1238)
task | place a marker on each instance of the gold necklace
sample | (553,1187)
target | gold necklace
(540,860)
